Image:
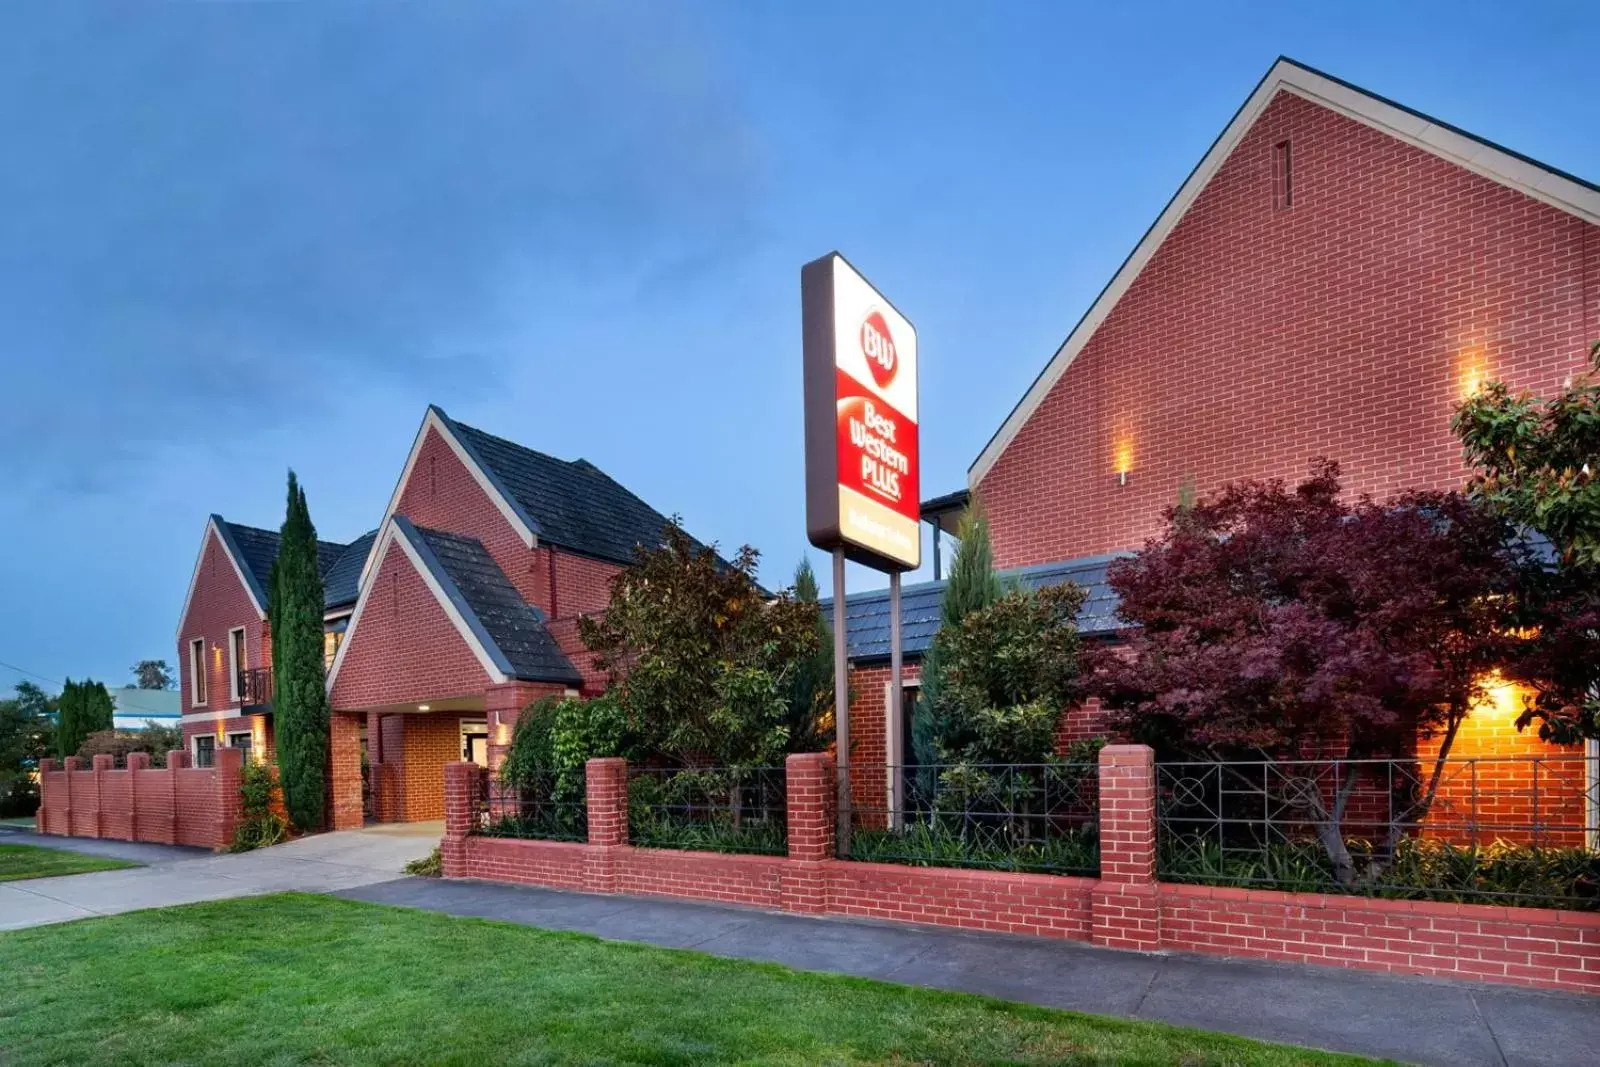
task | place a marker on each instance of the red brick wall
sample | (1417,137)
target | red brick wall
(1520,946)
(583,585)
(1256,339)
(405,648)
(1125,908)
(1513,786)
(177,804)
(431,741)
(220,603)
(441,494)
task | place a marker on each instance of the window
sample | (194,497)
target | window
(332,637)
(1282,177)
(197,671)
(205,751)
(236,662)
(242,741)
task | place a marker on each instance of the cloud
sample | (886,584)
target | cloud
(218,214)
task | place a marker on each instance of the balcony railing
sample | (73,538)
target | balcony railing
(255,687)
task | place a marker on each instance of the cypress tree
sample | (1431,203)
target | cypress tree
(300,698)
(98,711)
(68,734)
(973,584)
(810,695)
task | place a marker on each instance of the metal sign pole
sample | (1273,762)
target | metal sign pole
(841,703)
(896,703)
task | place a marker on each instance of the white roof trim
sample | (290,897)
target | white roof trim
(392,534)
(194,578)
(441,426)
(1496,164)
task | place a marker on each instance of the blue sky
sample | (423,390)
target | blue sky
(237,238)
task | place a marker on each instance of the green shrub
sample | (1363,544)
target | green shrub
(709,810)
(1500,872)
(260,825)
(430,866)
(559,735)
(945,842)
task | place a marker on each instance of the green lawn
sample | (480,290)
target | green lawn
(306,979)
(31,861)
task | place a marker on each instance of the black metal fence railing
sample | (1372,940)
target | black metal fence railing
(1485,830)
(548,805)
(712,809)
(255,687)
(1040,817)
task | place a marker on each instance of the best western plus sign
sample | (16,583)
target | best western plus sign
(861,419)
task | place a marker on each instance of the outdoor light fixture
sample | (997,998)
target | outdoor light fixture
(1124,461)
(422,707)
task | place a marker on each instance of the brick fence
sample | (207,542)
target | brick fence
(1126,907)
(174,805)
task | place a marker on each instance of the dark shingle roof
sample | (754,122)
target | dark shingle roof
(257,549)
(866,615)
(513,632)
(341,583)
(573,504)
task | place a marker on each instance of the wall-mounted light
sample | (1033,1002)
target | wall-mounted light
(502,734)
(1472,370)
(423,707)
(1124,460)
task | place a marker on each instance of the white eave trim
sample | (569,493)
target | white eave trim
(390,535)
(1493,163)
(194,577)
(441,426)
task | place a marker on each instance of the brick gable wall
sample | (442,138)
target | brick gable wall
(405,647)
(1257,339)
(220,603)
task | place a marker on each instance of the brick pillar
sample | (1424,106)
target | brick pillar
(41,819)
(226,776)
(502,707)
(344,771)
(70,764)
(464,786)
(811,789)
(101,764)
(177,760)
(1127,907)
(606,794)
(137,761)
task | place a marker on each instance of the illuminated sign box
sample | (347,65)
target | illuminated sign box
(862,464)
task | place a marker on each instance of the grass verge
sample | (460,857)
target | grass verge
(31,861)
(296,978)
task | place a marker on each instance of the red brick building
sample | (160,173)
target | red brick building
(459,610)
(1331,279)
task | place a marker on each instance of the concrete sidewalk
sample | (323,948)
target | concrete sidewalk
(316,864)
(1408,1019)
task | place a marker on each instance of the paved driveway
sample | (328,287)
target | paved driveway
(316,864)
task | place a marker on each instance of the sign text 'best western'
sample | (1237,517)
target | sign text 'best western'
(861,419)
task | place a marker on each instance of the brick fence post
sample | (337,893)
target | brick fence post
(810,790)
(137,761)
(465,785)
(606,794)
(177,760)
(101,764)
(226,777)
(69,765)
(41,819)
(1126,902)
